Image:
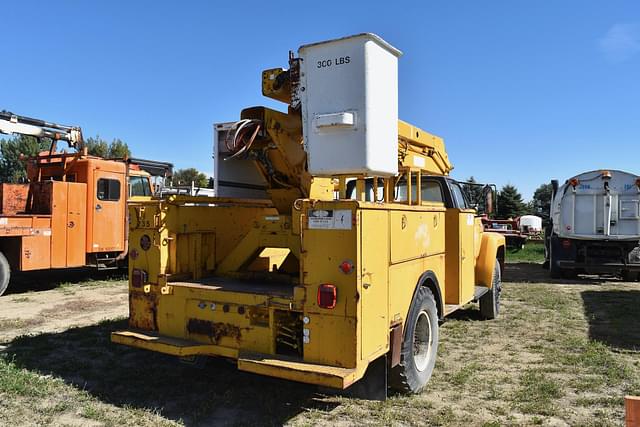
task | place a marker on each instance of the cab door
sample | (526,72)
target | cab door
(109,199)
(460,249)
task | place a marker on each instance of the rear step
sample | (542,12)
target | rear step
(106,264)
(265,364)
(296,370)
(169,345)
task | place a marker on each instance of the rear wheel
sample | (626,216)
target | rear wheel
(554,271)
(630,276)
(5,273)
(419,345)
(490,301)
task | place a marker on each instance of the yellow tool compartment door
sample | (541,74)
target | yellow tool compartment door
(374,287)
(460,256)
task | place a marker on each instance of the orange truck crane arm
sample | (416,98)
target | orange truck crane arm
(13,124)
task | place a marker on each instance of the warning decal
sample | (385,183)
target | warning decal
(339,219)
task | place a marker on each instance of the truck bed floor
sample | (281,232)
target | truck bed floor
(252,286)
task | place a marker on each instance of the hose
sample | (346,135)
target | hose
(237,144)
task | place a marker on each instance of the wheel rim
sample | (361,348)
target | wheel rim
(422,341)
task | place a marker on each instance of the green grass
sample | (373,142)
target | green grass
(532,252)
(538,394)
(554,356)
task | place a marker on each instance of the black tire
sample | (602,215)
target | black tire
(490,301)
(630,276)
(419,345)
(554,271)
(5,273)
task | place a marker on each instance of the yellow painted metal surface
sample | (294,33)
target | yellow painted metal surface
(328,376)
(460,260)
(374,289)
(492,245)
(416,234)
(242,278)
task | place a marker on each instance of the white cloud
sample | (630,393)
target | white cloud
(621,42)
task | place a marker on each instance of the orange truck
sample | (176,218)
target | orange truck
(73,211)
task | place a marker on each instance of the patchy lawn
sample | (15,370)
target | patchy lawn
(533,252)
(563,353)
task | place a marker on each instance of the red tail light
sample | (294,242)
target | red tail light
(138,278)
(566,244)
(327,296)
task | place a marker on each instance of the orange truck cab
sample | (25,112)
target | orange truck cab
(72,213)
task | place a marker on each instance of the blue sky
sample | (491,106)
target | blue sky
(522,91)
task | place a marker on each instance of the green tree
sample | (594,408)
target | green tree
(541,202)
(119,149)
(474,193)
(189,175)
(13,151)
(97,146)
(510,204)
(100,148)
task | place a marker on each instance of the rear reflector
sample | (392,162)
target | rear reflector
(566,244)
(327,296)
(138,278)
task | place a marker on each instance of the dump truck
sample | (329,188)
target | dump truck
(72,212)
(342,274)
(594,225)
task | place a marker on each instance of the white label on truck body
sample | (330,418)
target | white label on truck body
(338,219)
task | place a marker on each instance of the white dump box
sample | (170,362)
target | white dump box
(598,205)
(349,95)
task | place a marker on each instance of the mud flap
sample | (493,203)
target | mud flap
(373,386)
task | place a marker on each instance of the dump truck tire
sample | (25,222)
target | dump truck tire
(5,273)
(554,271)
(419,345)
(490,302)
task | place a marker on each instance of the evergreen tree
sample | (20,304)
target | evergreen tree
(100,148)
(541,202)
(510,204)
(474,193)
(187,176)
(13,153)
(97,146)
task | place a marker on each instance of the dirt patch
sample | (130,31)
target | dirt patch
(561,353)
(61,308)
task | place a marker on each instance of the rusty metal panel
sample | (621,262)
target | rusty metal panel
(143,311)
(42,198)
(13,198)
(396,344)
(58,224)
(35,253)
(76,224)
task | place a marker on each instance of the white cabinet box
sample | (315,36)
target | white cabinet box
(349,94)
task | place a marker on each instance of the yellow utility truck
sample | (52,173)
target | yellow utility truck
(361,246)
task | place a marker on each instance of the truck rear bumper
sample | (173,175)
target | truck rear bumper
(168,345)
(604,266)
(295,370)
(264,364)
